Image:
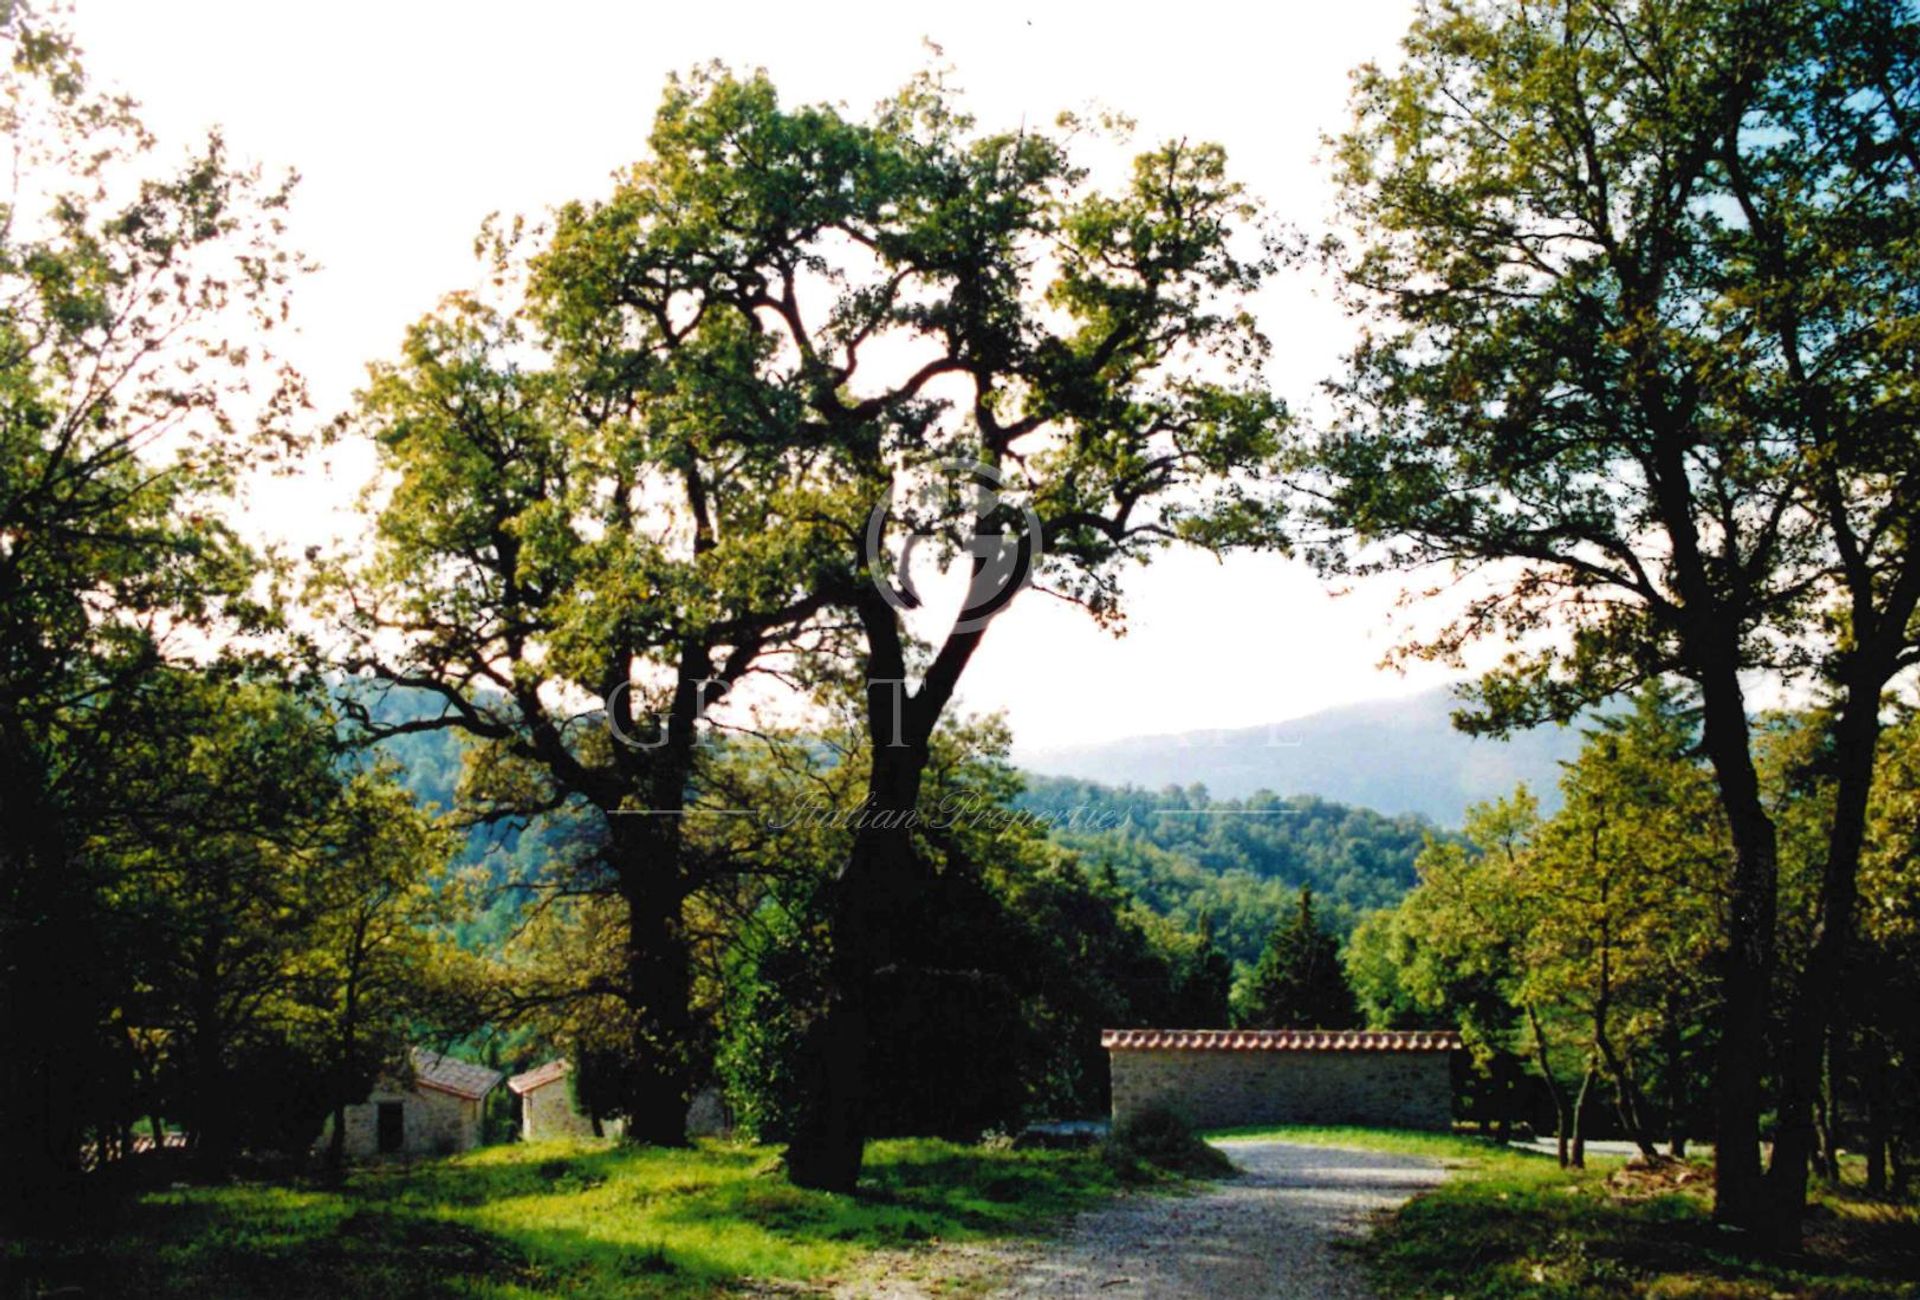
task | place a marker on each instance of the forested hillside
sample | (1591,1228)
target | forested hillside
(1234,864)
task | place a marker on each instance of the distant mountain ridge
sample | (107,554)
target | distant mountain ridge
(1393,756)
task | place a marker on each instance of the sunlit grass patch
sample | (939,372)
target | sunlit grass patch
(1444,1147)
(576,1219)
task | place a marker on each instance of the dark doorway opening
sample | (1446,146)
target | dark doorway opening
(392,1127)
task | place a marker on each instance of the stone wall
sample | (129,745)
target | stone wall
(1229,1088)
(432,1123)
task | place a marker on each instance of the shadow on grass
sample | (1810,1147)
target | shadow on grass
(551,1219)
(1531,1229)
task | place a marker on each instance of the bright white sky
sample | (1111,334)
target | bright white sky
(410,120)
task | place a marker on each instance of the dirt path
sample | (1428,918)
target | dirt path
(1269,1233)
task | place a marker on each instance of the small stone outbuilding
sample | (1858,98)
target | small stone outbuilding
(437,1113)
(546,1109)
(1227,1078)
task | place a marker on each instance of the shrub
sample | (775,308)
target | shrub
(1158,1138)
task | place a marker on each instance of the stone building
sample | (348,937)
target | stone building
(1225,1078)
(546,1111)
(437,1112)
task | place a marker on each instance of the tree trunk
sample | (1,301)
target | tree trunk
(1676,1082)
(654,884)
(349,1042)
(1826,1118)
(1578,1158)
(654,1080)
(45,1007)
(1632,1103)
(1747,969)
(1856,737)
(1879,1128)
(871,926)
(1554,1092)
(872,910)
(1626,1091)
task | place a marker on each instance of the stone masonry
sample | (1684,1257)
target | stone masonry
(1227,1079)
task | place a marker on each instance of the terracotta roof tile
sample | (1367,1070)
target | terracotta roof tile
(539,1076)
(461,1078)
(1280,1040)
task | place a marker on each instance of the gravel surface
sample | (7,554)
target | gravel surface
(1270,1232)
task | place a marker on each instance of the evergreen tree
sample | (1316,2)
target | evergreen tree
(1299,982)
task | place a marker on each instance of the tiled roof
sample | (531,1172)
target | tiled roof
(1280,1040)
(461,1078)
(539,1077)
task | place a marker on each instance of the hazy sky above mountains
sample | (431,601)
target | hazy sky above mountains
(410,121)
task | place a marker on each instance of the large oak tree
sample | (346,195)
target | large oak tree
(915,305)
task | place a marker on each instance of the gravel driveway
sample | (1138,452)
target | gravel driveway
(1269,1232)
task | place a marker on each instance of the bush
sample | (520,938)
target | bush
(1158,1138)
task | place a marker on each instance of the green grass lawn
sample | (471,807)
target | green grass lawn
(555,1219)
(1511,1223)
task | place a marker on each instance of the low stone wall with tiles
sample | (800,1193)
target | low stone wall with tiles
(1224,1088)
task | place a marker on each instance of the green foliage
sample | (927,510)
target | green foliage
(1585,941)
(123,279)
(1298,983)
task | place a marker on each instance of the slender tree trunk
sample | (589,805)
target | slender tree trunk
(1632,1101)
(1857,735)
(1676,1081)
(1578,1158)
(1632,1109)
(349,1043)
(1826,1118)
(1879,1129)
(1561,1126)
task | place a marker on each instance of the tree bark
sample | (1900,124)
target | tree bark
(1578,1158)
(1857,735)
(872,904)
(1554,1092)
(654,884)
(1676,1083)
(41,1131)
(1826,1156)
(655,1075)
(1747,967)
(1879,1127)
(349,1042)
(870,918)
